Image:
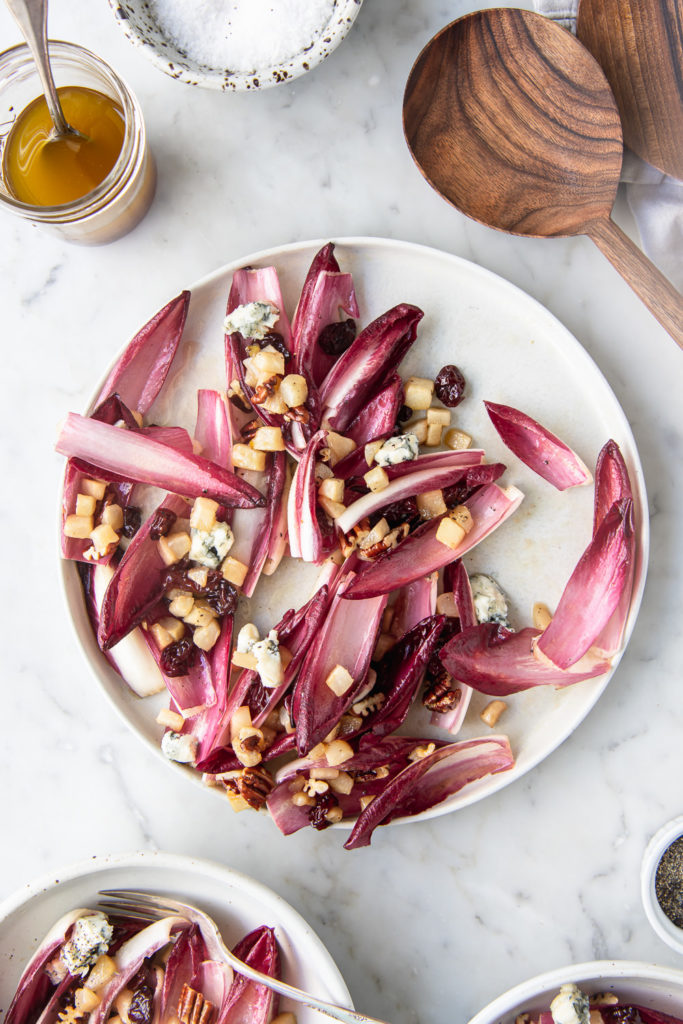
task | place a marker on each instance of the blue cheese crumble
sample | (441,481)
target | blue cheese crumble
(397,449)
(209,547)
(89,940)
(252,320)
(180,747)
(570,1006)
(490,603)
(268,660)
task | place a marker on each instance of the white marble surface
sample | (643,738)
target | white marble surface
(437,918)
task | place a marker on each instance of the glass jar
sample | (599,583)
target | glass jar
(123,198)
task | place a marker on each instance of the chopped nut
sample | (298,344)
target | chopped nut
(244,457)
(85,505)
(316,786)
(248,744)
(541,616)
(339,680)
(254,785)
(193,1008)
(377,479)
(422,751)
(170,719)
(492,712)
(368,705)
(440,696)
(417,392)
(263,388)
(376,534)
(457,440)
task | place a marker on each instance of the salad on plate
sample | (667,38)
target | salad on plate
(347,707)
(573,1006)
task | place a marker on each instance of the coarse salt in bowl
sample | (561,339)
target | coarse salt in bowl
(236,44)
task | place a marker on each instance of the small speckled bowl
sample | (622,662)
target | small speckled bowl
(660,842)
(140,26)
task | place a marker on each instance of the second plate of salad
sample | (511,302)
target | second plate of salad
(366,549)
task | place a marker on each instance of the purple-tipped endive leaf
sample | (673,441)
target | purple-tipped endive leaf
(139,374)
(182,968)
(421,553)
(594,589)
(138,458)
(612,484)
(537,448)
(138,581)
(331,299)
(213,427)
(34,986)
(324,261)
(277,542)
(247,1002)
(378,416)
(431,780)
(253,529)
(368,364)
(456,580)
(495,661)
(191,693)
(406,486)
(260,285)
(400,672)
(414,603)
(347,639)
(305,536)
(467,459)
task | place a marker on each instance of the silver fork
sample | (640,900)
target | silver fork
(149,907)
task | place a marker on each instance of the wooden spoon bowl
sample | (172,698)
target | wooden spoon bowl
(512,121)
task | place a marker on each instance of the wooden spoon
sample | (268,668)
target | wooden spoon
(510,119)
(639,46)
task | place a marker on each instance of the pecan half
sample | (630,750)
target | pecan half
(249,429)
(297,414)
(254,785)
(193,1008)
(440,695)
(263,391)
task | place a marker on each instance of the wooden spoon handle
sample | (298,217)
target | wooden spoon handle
(649,284)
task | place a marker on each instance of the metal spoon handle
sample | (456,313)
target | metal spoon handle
(31,16)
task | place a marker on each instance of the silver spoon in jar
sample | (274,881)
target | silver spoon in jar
(31,17)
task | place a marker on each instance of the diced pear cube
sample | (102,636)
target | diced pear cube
(244,659)
(431,504)
(540,615)
(234,571)
(492,712)
(419,428)
(438,415)
(268,439)
(203,514)
(85,1000)
(293,390)
(85,505)
(112,515)
(337,752)
(206,636)
(161,635)
(78,527)
(174,547)
(201,614)
(96,488)
(339,681)
(199,575)
(181,606)
(333,508)
(457,440)
(377,478)
(434,432)
(462,516)
(445,605)
(103,970)
(365,801)
(173,626)
(342,784)
(371,449)
(339,446)
(275,403)
(418,392)
(332,488)
(268,362)
(170,720)
(244,457)
(450,533)
(103,538)
(237,802)
(241,719)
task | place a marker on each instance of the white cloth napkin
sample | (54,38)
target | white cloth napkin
(655,199)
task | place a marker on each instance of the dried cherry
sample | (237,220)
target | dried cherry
(336,338)
(132,520)
(449,385)
(162,522)
(277,341)
(323,803)
(141,1009)
(221,595)
(178,657)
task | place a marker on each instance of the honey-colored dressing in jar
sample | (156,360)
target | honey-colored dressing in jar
(44,172)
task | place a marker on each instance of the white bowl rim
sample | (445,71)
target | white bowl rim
(578,973)
(501,780)
(660,841)
(330,973)
(344,15)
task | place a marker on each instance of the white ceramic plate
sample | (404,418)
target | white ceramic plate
(511,350)
(237,904)
(657,988)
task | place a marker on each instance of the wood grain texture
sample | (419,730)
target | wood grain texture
(512,120)
(639,44)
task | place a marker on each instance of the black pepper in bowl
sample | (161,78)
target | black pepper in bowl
(669,882)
